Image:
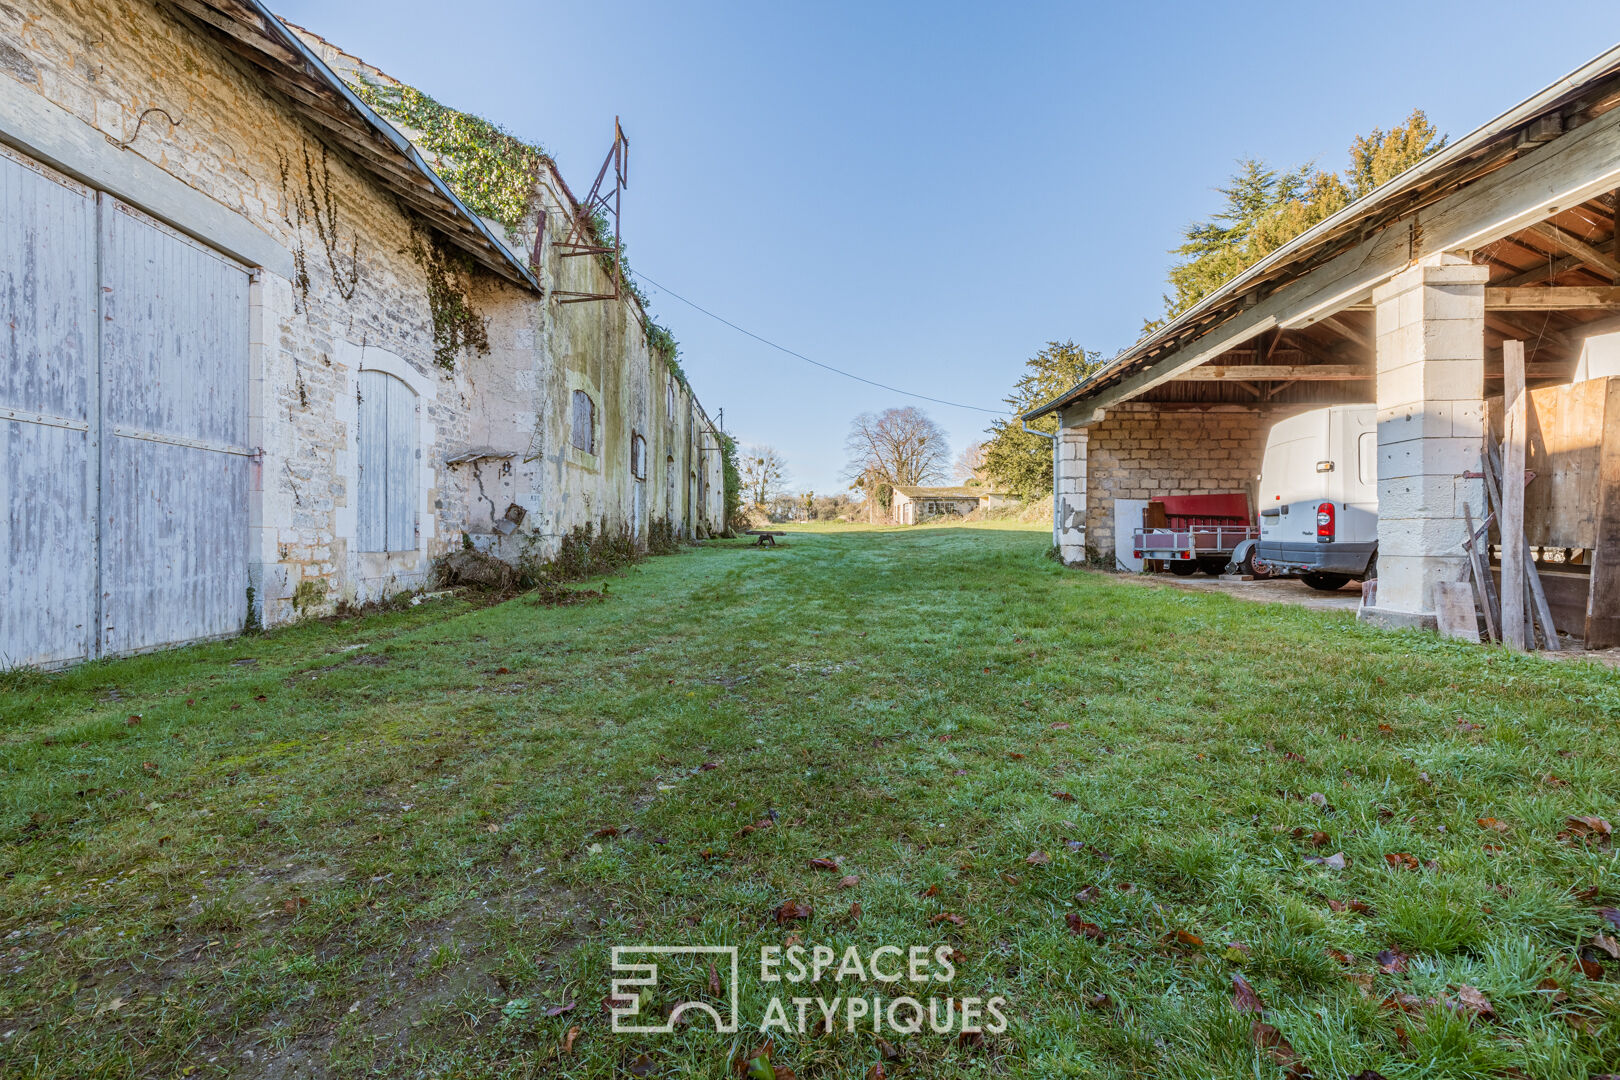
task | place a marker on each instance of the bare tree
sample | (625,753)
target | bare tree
(896,446)
(764,474)
(970,463)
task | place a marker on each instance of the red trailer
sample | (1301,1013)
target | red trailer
(1194,532)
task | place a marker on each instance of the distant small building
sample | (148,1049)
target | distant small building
(913,504)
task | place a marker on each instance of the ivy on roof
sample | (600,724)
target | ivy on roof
(489,169)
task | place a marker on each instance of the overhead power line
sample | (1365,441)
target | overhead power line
(806,359)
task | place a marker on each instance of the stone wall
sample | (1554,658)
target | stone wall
(1142,451)
(154,87)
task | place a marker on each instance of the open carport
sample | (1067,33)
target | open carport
(1403,299)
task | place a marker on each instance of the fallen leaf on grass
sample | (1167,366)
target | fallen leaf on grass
(1475,1002)
(1590,968)
(1553,992)
(947,916)
(1610,915)
(558,1010)
(492,827)
(1269,1038)
(708,765)
(1400,860)
(1060,727)
(1037,858)
(932,890)
(606,832)
(1320,839)
(1183,939)
(568,1040)
(889,1051)
(1062,796)
(790,911)
(1608,945)
(855,911)
(824,864)
(970,1039)
(134,719)
(1391,961)
(1496,824)
(1087,894)
(1236,953)
(1340,955)
(290,907)
(1087,929)
(1016,756)
(849,882)
(1319,799)
(1586,828)
(1336,861)
(1244,999)
(1099,1001)
(877,1072)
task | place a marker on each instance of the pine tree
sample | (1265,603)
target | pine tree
(1020,462)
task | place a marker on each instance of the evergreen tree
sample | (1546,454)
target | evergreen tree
(1018,461)
(1264,209)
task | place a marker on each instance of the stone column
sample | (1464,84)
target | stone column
(1431,385)
(1070,493)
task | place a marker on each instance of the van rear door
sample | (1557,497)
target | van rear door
(1290,488)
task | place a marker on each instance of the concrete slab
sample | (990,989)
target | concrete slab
(1267,591)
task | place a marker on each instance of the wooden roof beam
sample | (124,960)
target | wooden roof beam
(1260,372)
(1577,247)
(1553,298)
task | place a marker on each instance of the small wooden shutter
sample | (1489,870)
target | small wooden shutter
(371,449)
(385,506)
(402,452)
(582,433)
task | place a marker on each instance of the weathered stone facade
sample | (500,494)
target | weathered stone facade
(337,289)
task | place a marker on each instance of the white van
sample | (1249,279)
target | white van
(1318,498)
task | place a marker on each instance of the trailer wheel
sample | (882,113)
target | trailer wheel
(1183,567)
(1214,567)
(1325,582)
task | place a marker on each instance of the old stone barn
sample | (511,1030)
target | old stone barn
(1403,300)
(269,348)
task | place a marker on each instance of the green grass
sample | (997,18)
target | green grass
(312,858)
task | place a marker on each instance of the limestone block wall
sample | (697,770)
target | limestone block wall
(1142,451)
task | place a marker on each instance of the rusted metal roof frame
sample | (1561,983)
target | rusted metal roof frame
(1424,182)
(257,28)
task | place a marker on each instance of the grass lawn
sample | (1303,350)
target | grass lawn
(403,844)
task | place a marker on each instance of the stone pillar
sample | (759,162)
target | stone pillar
(1431,385)
(1069,495)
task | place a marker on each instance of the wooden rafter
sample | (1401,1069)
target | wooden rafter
(1580,249)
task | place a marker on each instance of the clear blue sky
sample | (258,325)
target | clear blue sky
(926,193)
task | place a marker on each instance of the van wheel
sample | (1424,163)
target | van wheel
(1183,567)
(1325,582)
(1254,566)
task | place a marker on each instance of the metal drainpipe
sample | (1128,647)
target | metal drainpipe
(1054,439)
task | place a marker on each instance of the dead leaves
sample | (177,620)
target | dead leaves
(1270,1039)
(1062,796)
(849,881)
(569,1040)
(1360,907)
(293,905)
(1392,961)
(1336,861)
(1077,925)
(1494,824)
(829,865)
(1244,999)
(1401,860)
(1587,829)
(762,824)
(1037,858)
(790,911)
(947,916)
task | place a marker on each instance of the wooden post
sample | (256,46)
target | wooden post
(1603,600)
(1511,524)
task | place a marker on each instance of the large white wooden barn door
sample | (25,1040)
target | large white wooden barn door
(47,413)
(174,459)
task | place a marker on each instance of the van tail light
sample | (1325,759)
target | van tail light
(1324,523)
